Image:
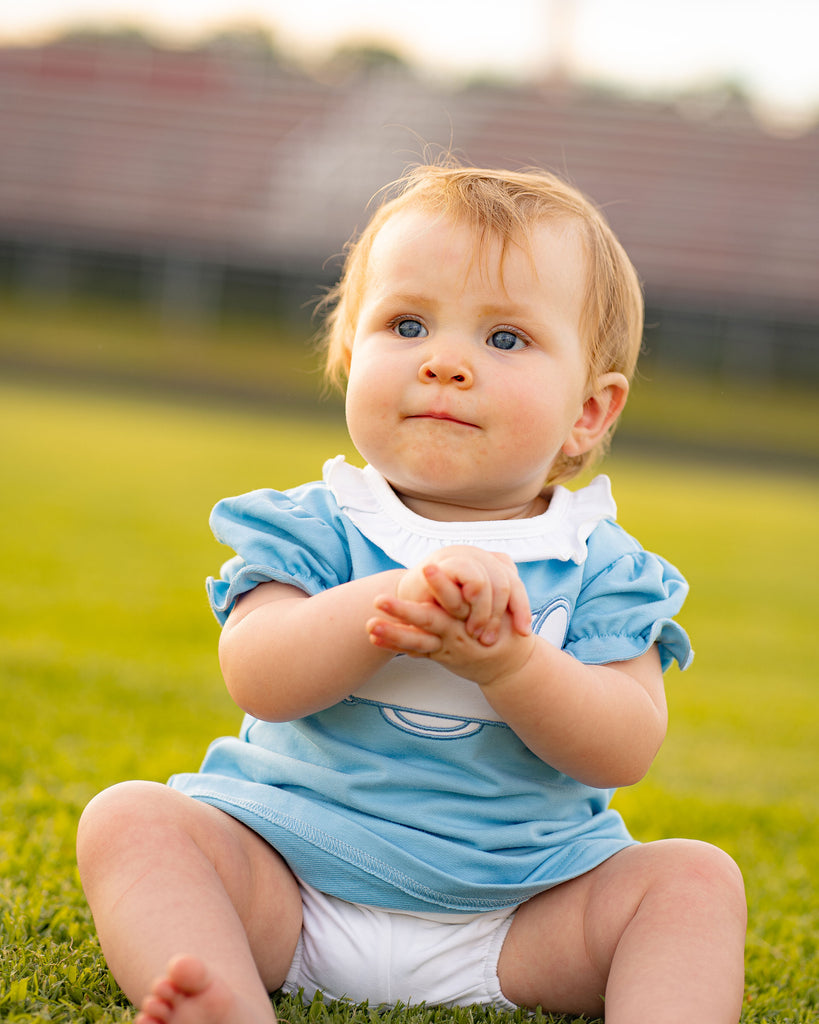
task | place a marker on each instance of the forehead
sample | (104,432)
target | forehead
(415,238)
(415,242)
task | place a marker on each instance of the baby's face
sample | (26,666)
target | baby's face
(468,373)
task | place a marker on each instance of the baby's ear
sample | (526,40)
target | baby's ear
(600,410)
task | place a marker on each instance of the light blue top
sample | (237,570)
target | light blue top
(411,793)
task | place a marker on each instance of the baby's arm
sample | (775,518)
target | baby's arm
(601,724)
(285,655)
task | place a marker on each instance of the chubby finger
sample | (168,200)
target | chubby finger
(424,615)
(466,587)
(519,608)
(447,591)
(511,597)
(485,623)
(391,635)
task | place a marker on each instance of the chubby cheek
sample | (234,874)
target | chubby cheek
(535,426)
(367,411)
(520,405)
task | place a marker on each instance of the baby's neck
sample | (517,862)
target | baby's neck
(444,512)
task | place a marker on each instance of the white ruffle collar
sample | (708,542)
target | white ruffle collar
(560,532)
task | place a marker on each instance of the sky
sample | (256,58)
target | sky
(767,46)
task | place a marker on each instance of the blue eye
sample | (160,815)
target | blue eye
(410,329)
(505,341)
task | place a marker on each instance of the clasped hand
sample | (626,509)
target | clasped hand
(462,606)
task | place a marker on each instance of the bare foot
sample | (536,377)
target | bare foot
(190,994)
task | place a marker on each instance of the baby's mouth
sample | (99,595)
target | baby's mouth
(443,416)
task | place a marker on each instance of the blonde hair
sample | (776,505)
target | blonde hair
(506,205)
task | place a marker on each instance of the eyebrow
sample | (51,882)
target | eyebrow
(407,299)
(501,311)
(510,310)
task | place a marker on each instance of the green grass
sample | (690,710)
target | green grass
(269,359)
(108,661)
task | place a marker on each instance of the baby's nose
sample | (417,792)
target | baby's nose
(458,377)
(447,367)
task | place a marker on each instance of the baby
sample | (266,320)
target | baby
(447,660)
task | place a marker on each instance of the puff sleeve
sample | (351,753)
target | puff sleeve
(626,603)
(291,537)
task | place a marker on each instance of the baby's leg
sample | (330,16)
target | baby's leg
(657,931)
(168,877)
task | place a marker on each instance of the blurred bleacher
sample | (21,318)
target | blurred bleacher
(198,181)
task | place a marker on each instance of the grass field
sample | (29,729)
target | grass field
(109,669)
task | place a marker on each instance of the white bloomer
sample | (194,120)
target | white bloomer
(359,953)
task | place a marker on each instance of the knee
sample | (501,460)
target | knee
(114,816)
(705,873)
(711,864)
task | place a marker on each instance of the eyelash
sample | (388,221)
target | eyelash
(396,323)
(518,335)
(514,332)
